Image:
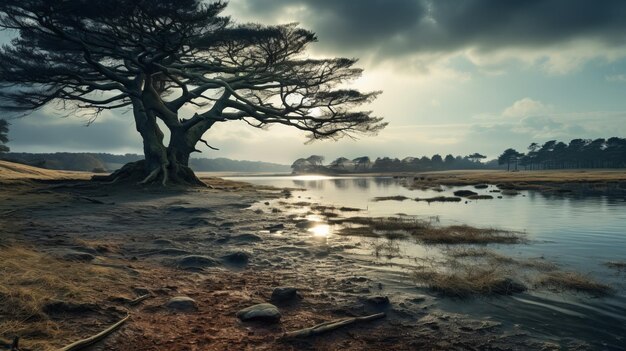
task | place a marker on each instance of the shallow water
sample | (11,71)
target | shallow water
(580,234)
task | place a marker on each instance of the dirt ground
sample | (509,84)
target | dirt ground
(75,254)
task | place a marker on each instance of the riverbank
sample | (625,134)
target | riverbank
(582,182)
(77,255)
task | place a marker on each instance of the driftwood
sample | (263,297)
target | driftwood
(81,344)
(331,325)
(139,299)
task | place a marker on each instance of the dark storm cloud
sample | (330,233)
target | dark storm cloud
(409,26)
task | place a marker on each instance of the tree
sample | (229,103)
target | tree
(508,156)
(362,163)
(315,160)
(159,59)
(476,157)
(436,161)
(4,130)
(300,165)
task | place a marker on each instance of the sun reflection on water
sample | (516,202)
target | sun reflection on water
(311,177)
(321,230)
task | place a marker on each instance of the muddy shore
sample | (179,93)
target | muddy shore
(92,249)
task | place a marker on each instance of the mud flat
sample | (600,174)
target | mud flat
(77,256)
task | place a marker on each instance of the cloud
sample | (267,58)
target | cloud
(524,108)
(552,33)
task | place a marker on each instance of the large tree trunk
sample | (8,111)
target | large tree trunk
(164,165)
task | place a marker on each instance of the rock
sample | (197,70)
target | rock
(284,294)
(197,262)
(265,312)
(239,258)
(378,300)
(182,303)
(464,193)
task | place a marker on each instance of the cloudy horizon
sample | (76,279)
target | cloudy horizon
(481,76)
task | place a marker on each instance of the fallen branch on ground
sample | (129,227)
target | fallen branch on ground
(139,299)
(81,344)
(331,325)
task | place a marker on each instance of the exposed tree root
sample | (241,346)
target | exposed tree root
(135,173)
(81,344)
(330,325)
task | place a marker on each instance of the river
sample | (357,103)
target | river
(578,234)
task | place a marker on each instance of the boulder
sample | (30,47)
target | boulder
(264,312)
(182,303)
(464,193)
(196,262)
(238,258)
(284,294)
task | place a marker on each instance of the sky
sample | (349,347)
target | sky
(457,77)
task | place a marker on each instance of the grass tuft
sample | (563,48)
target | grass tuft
(560,280)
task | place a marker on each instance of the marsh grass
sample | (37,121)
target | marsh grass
(467,281)
(480,197)
(32,279)
(473,271)
(426,232)
(562,280)
(619,265)
(439,199)
(390,198)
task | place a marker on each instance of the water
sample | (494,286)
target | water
(579,234)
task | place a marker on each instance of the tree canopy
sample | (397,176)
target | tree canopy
(179,62)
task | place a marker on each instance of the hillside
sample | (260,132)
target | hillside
(89,162)
(15,171)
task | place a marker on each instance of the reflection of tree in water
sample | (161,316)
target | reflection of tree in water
(341,183)
(384,182)
(361,183)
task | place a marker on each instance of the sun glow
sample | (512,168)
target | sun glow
(311,177)
(321,230)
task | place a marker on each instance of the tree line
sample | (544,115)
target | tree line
(578,153)
(315,164)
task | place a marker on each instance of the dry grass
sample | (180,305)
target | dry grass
(470,280)
(426,232)
(480,197)
(561,280)
(472,271)
(10,171)
(31,279)
(492,177)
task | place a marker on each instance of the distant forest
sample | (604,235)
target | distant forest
(315,164)
(578,153)
(102,162)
